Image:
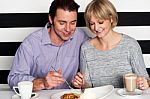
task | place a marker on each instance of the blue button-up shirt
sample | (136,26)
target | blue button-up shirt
(37,54)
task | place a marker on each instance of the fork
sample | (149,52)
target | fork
(82,89)
(64,79)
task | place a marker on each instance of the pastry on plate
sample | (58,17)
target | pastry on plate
(70,96)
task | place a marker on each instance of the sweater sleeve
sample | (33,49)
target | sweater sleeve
(137,61)
(84,68)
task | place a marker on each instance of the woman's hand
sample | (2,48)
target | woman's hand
(78,80)
(142,83)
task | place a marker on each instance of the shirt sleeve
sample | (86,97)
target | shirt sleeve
(20,70)
(137,61)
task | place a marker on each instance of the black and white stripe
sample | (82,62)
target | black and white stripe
(20,18)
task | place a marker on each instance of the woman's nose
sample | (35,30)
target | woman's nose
(99,29)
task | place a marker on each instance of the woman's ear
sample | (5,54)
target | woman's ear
(50,19)
(111,19)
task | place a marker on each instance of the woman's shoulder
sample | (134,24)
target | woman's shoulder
(128,38)
(86,44)
(130,41)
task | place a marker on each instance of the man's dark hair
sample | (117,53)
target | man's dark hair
(67,5)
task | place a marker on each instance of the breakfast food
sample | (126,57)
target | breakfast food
(70,96)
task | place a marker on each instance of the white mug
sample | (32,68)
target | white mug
(25,89)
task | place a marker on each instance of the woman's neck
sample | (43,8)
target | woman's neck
(108,42)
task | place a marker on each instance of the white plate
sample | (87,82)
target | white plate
(95,93)
(122,92)
(33,96)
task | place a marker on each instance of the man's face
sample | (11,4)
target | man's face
(64,24)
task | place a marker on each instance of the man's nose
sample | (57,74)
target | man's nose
(67,27)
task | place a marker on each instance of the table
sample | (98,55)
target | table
(7,93)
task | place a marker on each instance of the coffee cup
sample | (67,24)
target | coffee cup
(130,82)
(24,88)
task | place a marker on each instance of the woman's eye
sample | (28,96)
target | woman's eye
(91,24)
(100,22)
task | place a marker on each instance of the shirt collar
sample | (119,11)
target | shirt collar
(45,36)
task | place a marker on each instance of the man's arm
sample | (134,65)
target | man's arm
(23,60)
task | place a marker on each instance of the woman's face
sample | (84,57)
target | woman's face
(100,27)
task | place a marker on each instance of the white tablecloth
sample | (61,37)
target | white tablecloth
(6,93)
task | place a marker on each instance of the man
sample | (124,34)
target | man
(49,57)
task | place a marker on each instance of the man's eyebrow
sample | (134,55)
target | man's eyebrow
(74,21)
(66,21)
(62,21)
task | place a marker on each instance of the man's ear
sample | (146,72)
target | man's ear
(50,19)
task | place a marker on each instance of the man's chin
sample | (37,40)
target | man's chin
(66,39)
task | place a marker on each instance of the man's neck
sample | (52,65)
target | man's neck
(55,39)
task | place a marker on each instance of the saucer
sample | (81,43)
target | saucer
(33,96)
(122,92)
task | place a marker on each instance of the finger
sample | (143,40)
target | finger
(139,79)
(79,82)
(56,78)
(55,74)
(60,70)
(145,84)
(57,82)
(76,84)
(53,83)
(78,79)
(80,75)
(142,84)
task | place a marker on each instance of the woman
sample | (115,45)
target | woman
(109,55)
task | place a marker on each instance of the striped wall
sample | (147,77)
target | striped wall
(19,18)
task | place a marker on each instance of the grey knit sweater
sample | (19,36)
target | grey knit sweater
(108,67)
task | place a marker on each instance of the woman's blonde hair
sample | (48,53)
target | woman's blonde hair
(101,9)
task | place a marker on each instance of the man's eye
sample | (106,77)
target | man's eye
(73,23)
(62,23)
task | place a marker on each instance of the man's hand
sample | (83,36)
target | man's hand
(53,79)
(78,80)
(38,84)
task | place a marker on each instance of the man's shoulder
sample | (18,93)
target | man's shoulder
(35,35)
(81,33)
